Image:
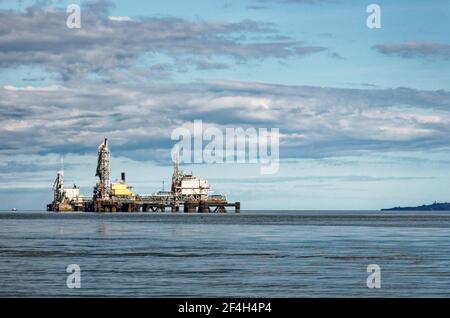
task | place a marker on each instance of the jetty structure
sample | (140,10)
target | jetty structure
(188,193)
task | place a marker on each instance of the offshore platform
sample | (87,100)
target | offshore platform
(188,194)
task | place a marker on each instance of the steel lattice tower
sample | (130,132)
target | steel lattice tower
(103,171)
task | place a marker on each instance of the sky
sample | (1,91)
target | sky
(363,113)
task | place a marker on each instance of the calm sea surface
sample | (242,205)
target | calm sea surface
(254,254)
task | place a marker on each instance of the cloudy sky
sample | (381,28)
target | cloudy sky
(364,114)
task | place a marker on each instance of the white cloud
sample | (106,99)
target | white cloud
(105,45)
(51,88)
(120,19)
(139,119)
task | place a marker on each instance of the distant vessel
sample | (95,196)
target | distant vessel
(13,209)
(430,207)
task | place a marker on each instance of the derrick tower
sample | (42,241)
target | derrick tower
(103,171)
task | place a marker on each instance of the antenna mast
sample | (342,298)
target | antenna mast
(177,174)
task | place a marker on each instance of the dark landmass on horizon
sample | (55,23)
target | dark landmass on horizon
(430,207)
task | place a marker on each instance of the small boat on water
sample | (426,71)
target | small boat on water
(14,210)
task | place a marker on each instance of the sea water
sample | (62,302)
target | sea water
(252,254)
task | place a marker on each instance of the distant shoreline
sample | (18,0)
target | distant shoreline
(430,207)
